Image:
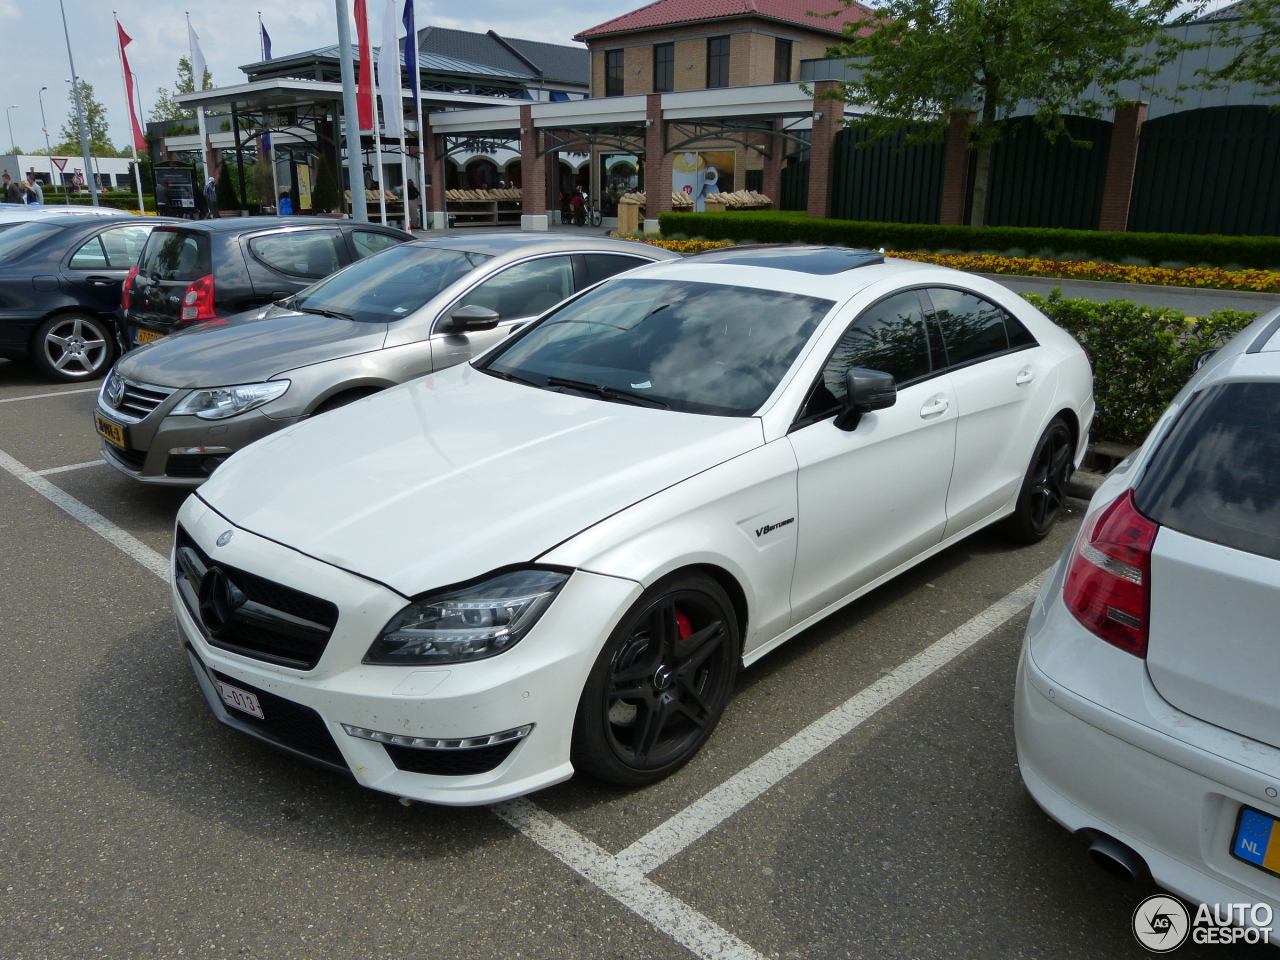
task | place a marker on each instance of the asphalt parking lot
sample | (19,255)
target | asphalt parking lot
(860,799)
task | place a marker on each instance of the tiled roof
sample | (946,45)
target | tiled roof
(557,62)
(1231,11)
(667,12)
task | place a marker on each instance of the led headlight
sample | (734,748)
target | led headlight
(468,624)
(218,403)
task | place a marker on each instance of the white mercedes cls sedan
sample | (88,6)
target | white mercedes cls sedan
(1148,695)
(556,557)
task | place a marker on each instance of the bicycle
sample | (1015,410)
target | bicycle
(594,216)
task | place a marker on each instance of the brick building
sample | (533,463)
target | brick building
(681,45)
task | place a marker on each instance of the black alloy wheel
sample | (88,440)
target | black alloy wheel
(660,685)
(1044,489)
(73,346)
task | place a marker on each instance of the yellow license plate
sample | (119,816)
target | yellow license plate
(111,432)
(146,336)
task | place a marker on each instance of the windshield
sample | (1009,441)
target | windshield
(389,285)
(695,347)
(18,238)
(175,255)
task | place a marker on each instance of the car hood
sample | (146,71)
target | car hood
(244,349)
(446,478)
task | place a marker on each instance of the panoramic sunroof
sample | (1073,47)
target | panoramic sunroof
(817,260)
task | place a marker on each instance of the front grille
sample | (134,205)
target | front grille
(195,466)
(133,459)
(274,623)
(287,723)
(139,399)
(449,763)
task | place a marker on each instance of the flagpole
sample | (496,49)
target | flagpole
(75,91)
(415,84)
(270,151)
(133,146)
(377,152)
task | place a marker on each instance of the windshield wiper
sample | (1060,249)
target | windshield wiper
(508,376)
(607,392)
(322,313)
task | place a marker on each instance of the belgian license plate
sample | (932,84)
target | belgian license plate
(111,432)
(1257,840)
(238,699)
(146,336)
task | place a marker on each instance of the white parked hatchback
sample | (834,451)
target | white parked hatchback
(1148,696)
(557,556)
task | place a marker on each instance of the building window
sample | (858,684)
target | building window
(664,67)
(613,73)
(781,60)
(717,61)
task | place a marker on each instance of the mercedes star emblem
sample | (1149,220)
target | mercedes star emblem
(219,600)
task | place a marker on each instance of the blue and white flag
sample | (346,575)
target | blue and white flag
(411,53)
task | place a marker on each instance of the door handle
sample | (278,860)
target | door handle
(1025,376)
(934,407)
(100,281)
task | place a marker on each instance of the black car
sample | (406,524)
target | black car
(60,280)
(202,270)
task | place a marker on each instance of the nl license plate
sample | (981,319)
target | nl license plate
(111,432)
(1257,840)
(146,336)
(238,699)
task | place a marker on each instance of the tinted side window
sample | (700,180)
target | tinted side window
(972,328)
(526,289)
(310,253)
(368,243)
(124,245)
(601,266)
(90,256)
(890,336)
(1217,474)
(1019,336)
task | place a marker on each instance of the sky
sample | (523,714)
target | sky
(33,50)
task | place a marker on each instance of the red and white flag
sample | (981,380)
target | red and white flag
(139,141)
(364,82)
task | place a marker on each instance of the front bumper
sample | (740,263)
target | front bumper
(183,451)
(535,682)
(1100,750)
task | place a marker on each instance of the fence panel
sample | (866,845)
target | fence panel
(1213,170)
(885,181)
(795,184)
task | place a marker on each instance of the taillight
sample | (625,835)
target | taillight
(197,302)
(127,290)
(1109,579)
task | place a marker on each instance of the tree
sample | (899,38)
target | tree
(95,123)
(924,60)
(166,106)
(1256,37)
(325,196)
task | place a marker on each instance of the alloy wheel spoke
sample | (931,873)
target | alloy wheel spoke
(62,361)
(656,717)
(1058,463)
(62,342)
(695,648)
(93,344)
(77,328)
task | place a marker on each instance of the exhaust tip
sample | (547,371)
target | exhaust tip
(1116,858)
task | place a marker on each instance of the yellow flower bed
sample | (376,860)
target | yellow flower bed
(1265,281)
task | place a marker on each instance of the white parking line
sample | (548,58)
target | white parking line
(668,913)
(125,542)
(623,877)
(41,396)
(69,467)
(705,814)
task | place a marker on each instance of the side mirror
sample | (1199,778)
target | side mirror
(473,317)
(1204,357)
(865,390)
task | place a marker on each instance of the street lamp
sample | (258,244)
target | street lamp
(44,127)
(13,147)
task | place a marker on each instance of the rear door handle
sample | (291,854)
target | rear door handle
(100,281)
(1026,376)
(934,407)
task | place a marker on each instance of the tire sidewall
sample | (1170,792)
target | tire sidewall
(591,751)
(1020,525)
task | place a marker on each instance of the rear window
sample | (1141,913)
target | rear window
(20,238)
(1217,475)
(175,255)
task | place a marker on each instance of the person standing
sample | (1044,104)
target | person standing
(211,197)
(10,192)
(35,193)
(413,194)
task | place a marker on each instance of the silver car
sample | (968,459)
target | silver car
(172,411)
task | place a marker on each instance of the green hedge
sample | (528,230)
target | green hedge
(1141,355)
(116,199)
(1261,253)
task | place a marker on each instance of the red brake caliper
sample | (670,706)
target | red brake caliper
(683,625)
